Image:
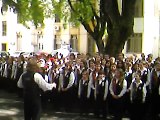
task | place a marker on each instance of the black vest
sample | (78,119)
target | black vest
(31,89)
(137,92)
(155,82)
(101,88)
(9,70)
(66,79)
(119,88)
(19,70)
(84,88)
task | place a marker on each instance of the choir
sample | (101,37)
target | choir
(101,84)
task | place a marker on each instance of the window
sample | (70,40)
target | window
(57,41)
(39,46)
(57,19)
(4,47)
(42,46)
(134,43)
(139,8)
(74,42)
(4,28)
(4,9)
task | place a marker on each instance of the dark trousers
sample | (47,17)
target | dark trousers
(154,106)
(100,107)
(84,105)
(32,109)
(67,100)
(137,111)
(118,108)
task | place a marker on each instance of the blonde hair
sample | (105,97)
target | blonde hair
(32,65)
(122,77)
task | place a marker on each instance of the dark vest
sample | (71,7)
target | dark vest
(155,82)
(19,70)
(66,79)
(144,76)
(3,68)
(128,78)
(84,88)
(137,92)
(101,88)
(9,70)
(117,87)
(31,89)
(56,80)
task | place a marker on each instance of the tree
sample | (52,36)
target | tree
(97,16)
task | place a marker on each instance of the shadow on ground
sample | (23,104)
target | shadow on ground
(12,109)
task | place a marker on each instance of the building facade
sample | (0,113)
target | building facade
(146,37)
(15,37)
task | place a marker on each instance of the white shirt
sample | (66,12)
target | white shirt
(40,81)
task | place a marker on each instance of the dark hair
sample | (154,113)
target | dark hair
(139,73)
(101,72)
(72,54)
(91,60)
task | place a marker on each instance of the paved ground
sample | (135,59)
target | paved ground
(11,108)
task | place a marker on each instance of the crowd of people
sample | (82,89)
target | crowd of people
(101,84)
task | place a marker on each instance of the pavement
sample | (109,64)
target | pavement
(11,108)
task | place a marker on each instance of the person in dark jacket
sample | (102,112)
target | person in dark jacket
(32,82)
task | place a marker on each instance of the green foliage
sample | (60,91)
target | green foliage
(23,11)
(36,10)
(28,10)
(74,12)
(94,15)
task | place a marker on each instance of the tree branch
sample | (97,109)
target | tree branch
(128,8)
(111,10)
(87,27)
(11,3)
(71,6)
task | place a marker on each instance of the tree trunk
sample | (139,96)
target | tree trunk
(119,26)
(100,45)
(116,40)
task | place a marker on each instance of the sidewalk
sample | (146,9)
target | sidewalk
(12,109)
(11,106)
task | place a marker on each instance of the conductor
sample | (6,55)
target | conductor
(32,82)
